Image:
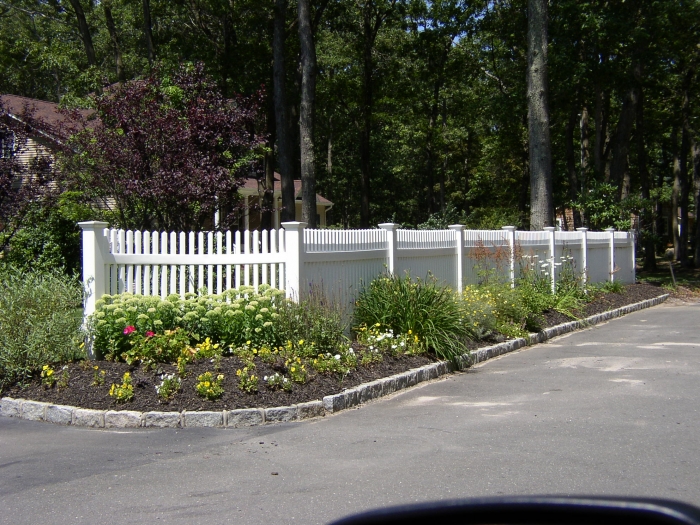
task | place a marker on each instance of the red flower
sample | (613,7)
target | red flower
(129,329)
(149,333)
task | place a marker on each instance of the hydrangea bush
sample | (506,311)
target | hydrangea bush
(232,318)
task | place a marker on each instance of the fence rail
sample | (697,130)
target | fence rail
(340,261)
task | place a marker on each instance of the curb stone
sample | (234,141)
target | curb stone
(67,415)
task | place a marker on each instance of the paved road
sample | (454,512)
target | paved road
(610,410)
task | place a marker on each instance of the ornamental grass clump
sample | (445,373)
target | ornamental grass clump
(431,312)
(40,318)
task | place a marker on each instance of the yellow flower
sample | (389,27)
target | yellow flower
(301,342)
(247,343)
(410,332)
(207,384)
(294,369)
(220,377)
(96,367)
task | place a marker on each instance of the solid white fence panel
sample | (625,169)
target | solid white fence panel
(532,253)
(486,256)
(624,258)
(426,253)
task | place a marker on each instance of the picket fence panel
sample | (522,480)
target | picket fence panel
(337,262)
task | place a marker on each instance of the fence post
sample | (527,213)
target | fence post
(510,232)
(584,254)
(390,229)
(633,248)
(552,256)
(458,230)
(294,264)
(611,231)
(95,247)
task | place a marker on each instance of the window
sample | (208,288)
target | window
(7,144)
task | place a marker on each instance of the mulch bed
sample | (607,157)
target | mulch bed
(82,393)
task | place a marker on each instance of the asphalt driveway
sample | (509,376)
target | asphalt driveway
(609,410)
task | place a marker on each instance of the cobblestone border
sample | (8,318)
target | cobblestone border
(68,415)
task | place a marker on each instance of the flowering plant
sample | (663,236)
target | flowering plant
(124,392)
(210,387)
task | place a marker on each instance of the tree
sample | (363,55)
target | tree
(306,114)
(541,198)
(166,152)
(26,181)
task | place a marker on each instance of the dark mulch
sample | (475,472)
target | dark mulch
(81,392)
(633,293)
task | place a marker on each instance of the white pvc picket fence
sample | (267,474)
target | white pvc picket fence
(340,262)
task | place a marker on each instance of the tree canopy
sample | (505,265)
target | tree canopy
(420,106)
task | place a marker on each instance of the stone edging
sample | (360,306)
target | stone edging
(68,415)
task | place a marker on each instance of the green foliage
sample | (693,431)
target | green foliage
(231,319)
(314,319)
(431,312)
(210,387)
(247,380)
(124,392)
(169,386)
(39,322)
(50,237)
(277,381)
(151,348)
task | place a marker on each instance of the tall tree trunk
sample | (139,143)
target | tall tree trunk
(84,31)
(571,165)
(266,190)
(306,115)
(585,157)
(679,199)
(148,30)
(621,142)
(114,37)
(600,132)
(443,172)
(366,130)
(284,143)
(696,181)
(541,202)
(646,225)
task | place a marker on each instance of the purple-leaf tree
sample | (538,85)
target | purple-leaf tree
(167,152)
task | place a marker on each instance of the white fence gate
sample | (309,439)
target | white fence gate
(339,261)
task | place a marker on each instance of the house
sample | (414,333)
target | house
(251,194)
(48,131)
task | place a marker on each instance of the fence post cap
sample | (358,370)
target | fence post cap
(389,226)
(456,227)
(508,228)
(582,229)
(549,228)
(294,225)
(93,225)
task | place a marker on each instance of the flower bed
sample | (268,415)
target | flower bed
(88,384)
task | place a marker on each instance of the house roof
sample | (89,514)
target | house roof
(46,115)
(251,185)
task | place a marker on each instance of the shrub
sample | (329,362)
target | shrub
(315,319)
(231,319)
(431,312)
(40,318)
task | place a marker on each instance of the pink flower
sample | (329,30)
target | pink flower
(149,333)
(129,330)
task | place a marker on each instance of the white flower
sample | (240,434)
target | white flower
(337,357)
